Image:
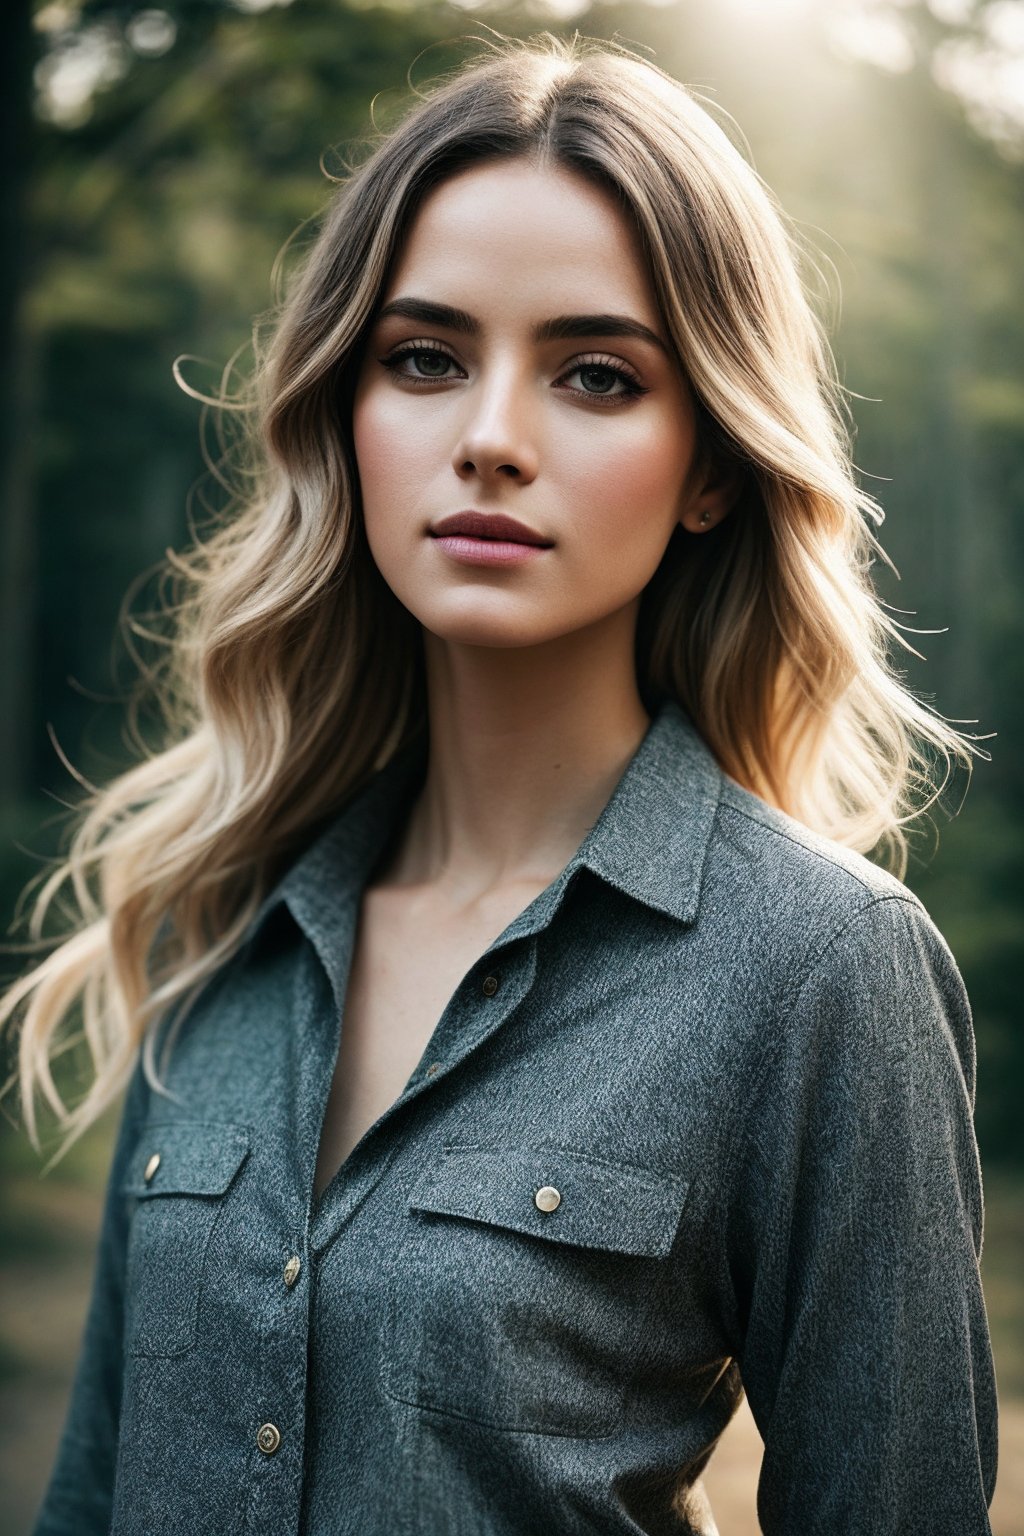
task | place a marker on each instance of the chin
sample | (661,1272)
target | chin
(498,637)
(482,623)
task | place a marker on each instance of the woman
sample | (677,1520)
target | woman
(524,1058)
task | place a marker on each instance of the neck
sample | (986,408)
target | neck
(526,747)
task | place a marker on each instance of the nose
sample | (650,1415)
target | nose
(498,439)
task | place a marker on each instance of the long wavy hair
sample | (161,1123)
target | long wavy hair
(293,673)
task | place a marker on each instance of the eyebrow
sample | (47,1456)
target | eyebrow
(560,328)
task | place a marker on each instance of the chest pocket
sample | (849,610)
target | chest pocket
(519,1317)
(176,1185)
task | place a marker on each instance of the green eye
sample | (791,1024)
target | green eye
(420,364)
(431,364)
(602,381)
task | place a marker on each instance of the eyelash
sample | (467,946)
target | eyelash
(632,391)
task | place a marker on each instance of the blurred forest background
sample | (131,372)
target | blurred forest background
(158,157)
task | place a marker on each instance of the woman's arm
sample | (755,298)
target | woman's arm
(857,1229)
(79,1498)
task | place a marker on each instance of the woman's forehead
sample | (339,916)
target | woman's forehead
(513,234)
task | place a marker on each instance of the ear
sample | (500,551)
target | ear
(709,497)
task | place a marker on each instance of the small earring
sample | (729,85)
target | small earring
(705,518)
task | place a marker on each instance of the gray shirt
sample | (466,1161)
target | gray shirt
(738,1061)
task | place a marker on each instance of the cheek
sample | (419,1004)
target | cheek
(395,459)
(631,479)
(373,440)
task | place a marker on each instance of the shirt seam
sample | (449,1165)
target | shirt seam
(818,853)
(655,1172)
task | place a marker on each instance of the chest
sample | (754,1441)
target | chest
(409,957)
(431,1281)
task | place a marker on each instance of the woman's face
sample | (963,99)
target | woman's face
(518,367)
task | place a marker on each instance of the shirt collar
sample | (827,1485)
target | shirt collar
(650,841)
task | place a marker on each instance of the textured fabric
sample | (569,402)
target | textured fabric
(744,1059)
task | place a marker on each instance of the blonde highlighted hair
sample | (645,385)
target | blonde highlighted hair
(280,698)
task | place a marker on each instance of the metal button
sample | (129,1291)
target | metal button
(490,985)
(291,1270)
(151,1167)
(268,1438)
(547,1198)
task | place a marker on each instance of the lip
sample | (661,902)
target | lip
(487,538)
(470,551)
(488,526)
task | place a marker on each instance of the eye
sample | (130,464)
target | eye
(420,363)
(603,378)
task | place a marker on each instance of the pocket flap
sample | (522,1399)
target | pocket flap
(615,1206)
(186,1157)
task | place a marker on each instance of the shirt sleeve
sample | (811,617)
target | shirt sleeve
(856,1230)
(79,1497)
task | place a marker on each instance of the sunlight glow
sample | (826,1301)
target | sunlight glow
(555,10)
(68,78)
(953,12)
(151,33)
(873,35)
(254,7)
(770,11)
(989,82)
(1003,25)
(56,17)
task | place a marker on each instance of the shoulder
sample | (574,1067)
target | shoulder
(796,878)
(809,907)
(782,850)
(858,960)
